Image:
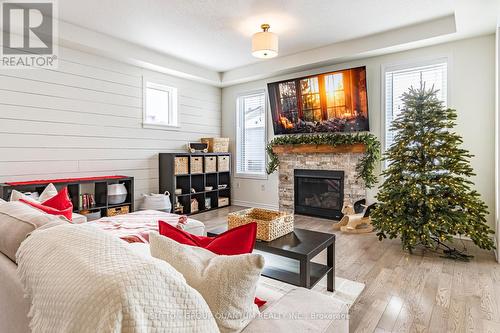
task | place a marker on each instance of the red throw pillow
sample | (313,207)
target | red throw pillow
(259,302)
(239,240)
(67,213)
(59,204)
(59,201)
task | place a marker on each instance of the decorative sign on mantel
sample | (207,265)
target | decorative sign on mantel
(329,143)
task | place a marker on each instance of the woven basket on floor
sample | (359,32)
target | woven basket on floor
(270,224)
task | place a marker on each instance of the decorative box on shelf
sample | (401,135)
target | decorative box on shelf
(217,145)
(194,147)
(270,224)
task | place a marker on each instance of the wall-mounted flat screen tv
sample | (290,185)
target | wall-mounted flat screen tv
(329,102)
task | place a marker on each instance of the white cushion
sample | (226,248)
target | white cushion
(49,192)
(227,283)
(194,227)
(17,221)
(2,201)
(16,196)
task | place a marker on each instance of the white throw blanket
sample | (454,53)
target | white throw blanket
(80,279)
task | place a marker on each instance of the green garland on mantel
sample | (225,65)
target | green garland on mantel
(366,166)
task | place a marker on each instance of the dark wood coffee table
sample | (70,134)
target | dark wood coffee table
(301,245)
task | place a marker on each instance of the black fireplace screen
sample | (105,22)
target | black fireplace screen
(319,193)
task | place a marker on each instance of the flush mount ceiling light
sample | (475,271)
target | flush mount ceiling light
(265,43)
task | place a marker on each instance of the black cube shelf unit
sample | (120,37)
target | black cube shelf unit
(170,180)
(98,186)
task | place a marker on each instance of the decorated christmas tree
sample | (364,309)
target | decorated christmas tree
(427,196)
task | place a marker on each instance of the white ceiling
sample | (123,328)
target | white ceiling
(216,34)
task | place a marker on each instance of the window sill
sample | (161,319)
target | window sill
(250,176)
(161,127)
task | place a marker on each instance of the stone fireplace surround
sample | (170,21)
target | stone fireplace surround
(354,189)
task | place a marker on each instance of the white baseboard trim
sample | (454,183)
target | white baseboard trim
(253,204)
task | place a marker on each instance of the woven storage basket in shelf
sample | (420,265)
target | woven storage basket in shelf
(270,224)
(118,210)
(223,163)
(223,201)
(181,165)
(196,164)
(210,164)
(217,145)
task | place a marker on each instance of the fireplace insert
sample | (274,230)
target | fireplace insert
(319,193)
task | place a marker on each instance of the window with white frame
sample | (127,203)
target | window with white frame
(398,79)
(251,135)
(160,105)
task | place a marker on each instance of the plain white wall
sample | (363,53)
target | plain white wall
(471,92)
(85,119)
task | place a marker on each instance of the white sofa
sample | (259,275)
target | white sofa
(290,310)
(298,310)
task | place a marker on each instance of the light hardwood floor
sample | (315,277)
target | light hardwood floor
(407,293)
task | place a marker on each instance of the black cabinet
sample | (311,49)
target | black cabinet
(77,188)
(209,183)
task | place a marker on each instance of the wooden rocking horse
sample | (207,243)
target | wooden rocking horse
(356,219)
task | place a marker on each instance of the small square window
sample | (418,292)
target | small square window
(160,106)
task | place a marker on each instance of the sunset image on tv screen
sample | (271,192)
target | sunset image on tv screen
(329,102)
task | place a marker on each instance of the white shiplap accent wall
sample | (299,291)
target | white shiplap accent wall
(85,118)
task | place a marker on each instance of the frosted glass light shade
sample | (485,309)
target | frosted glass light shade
(265,45)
